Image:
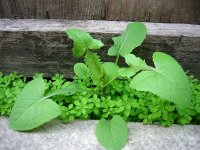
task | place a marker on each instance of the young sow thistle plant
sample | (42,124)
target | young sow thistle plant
(166,80)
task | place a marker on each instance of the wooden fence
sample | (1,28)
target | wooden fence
(177,11)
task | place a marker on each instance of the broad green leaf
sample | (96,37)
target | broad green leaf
(136,64)
(113,134)
(132,60)
(34,116)
(94,65)
(67,91)
(127,72)
(83,41)
(167,80)
(81,70)
(110,71)
(32,109)
(133,37)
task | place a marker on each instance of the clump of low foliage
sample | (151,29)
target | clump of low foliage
(131,105)
(104,90)
(10,86)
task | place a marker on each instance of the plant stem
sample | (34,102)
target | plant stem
(59,92)
(150,68)
(109,82)
(117,59)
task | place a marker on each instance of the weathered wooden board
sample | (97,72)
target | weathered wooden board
(177,11)
(63,9)
(30,46)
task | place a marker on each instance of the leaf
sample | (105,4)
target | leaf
(95,44)
(93,62)
(132,60)
(81,70)
(127,72)
(167,80)
(136,64)
(83,41)
(32,109)
(110,72)
(34,116)
(67,91)
(133,37)
(113,134)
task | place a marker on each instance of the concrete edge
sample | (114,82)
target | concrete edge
(80,135)
(96,26)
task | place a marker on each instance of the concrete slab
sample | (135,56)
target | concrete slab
(80,135)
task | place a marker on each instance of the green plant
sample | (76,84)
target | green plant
(103,94)
(112,134)
(10,86)
(167,79)
(119,99)
(32,108)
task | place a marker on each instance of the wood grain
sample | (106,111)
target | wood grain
(177,11)
(32,46)
(63,9)
(172,11)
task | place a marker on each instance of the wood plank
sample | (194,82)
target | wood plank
(177,11)
(63,9)
(1,10)
(30,46)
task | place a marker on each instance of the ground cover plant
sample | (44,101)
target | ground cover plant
(130,104)
(104,90)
